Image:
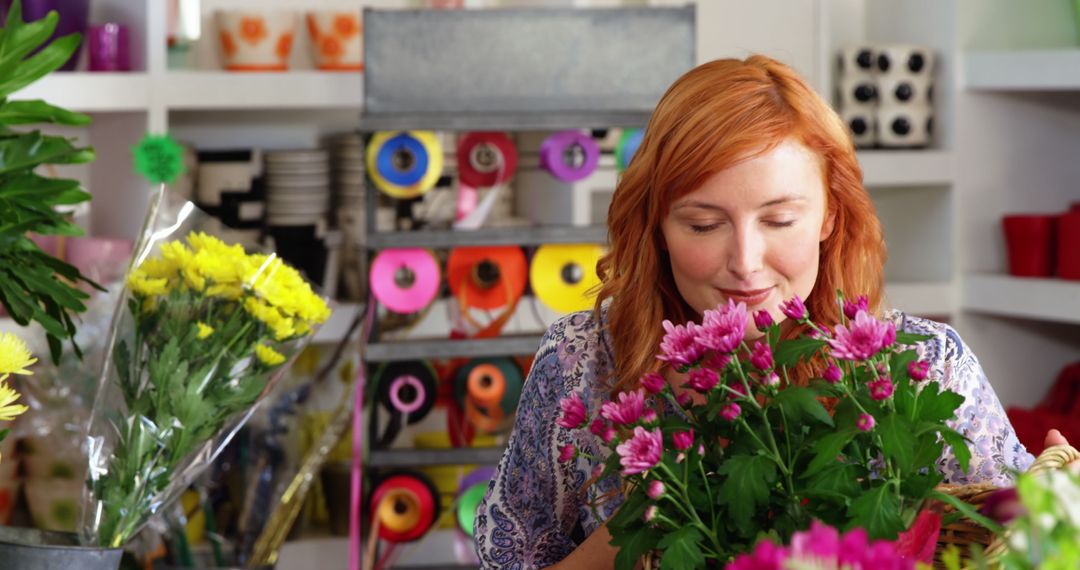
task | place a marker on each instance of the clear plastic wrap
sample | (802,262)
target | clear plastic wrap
(201,334)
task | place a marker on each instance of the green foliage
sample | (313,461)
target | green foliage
(33,285)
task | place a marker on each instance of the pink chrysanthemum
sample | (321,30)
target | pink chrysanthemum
(864,337)
(655,490)
(680,346)
(650,513)
(852,308)
(601,429)
(653,382)
(684,399)
(823,547)
(718,361)
(794,308)
(770,379)
(865,422)
(761,356)
(641,452)
(881,388)
(918,369)
(763,320)
(573,412)
(702,380)
(649,416)
(833,374)
(683,440)
(627,410)
(566,453)
(730,411)
(722,329)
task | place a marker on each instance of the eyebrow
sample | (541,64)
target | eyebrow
(710,206)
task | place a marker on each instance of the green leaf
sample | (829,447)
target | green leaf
(800,402)
(40,64)
(38,111)
(898,440)
(911,338)
(899,361)
(788,353)
(934,406)
(682,549)
(749,481)
(828,448)
(835,484)
(878,511)
(33,149)
(968,510)
(959,446)
(631,511)
(633,545)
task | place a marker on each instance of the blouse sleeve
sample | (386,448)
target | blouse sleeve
(995,450)
(521,523)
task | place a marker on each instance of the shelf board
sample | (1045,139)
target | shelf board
(1025,297)
(89,92)
(394,458)
(224,90)
(441,349)
(1023,70)
(535,121)
(886,168)
(488,236)
(335,328)
(924,299)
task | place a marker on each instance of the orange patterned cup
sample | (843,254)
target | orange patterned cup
(337,39)
(256,40)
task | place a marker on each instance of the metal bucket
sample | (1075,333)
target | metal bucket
(32,549)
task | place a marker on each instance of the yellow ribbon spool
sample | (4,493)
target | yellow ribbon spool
(399,511)
(404,165)
(563,274)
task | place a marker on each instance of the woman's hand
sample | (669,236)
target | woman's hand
(1054,437)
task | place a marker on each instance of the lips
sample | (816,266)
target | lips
(748,296)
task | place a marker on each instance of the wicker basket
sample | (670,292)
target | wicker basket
(965,533)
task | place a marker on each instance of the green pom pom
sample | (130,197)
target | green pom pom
(159,159)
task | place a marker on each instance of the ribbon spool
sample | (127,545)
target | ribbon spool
(470,493)
(405,280)
(404,506)
(488,391)
(487,277)
(404,165)
(569,155)
(627,147)
(486,159)
(408,390)
(563,274)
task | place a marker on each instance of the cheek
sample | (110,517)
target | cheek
(796,259)
(691,261)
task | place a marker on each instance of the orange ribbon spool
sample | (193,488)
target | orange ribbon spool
(486,385)
(487,277)
(404,506)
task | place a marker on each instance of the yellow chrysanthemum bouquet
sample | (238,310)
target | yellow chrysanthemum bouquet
(205,331)
(14,359)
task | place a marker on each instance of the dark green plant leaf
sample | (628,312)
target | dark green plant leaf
(40,64)
(38,111)
(898,440)
(788,353)
(878,511)
(749,481)
(828,448)
(911,338)
(682,549)
(934,406)
(802,404)
(33,149)
(632,546)
(959,445)
(968,510)
(631,510)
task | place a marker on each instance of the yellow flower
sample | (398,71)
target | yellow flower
(268,356)
(14,356)
(8,409)
(227,292)
(204,330)
(147,287)
(263,312)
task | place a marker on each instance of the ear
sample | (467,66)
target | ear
(828,225)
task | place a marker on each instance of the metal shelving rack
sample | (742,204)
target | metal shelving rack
(419,75)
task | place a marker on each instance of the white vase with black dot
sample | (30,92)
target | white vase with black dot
(856,61)
(904,126)
(903,60)
(862,123)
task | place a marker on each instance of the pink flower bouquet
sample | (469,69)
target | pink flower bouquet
(755,455)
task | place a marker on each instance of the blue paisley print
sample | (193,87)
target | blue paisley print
(537,511)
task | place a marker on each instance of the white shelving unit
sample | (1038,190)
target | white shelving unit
(1023,70)
(906,168)
(1028,298)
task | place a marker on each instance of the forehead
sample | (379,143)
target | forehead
(789,169)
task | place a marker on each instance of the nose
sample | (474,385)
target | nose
(746,256)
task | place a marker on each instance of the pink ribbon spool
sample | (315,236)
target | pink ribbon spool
(569,155)
(400,383)
(405,280)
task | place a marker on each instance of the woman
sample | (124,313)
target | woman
(745,187)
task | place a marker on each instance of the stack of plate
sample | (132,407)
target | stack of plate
(347,165)
(297,187)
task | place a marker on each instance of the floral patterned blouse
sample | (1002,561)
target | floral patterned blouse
(536,511)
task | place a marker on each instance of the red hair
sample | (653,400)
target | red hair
(714,116)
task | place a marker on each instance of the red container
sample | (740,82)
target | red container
(1068,245)
(1029,241)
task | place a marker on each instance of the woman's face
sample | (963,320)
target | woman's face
(751,233)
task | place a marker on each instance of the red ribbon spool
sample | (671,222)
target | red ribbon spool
(486,159)
(408,505)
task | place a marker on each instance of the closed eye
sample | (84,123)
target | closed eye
(703,229)
(785,224)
